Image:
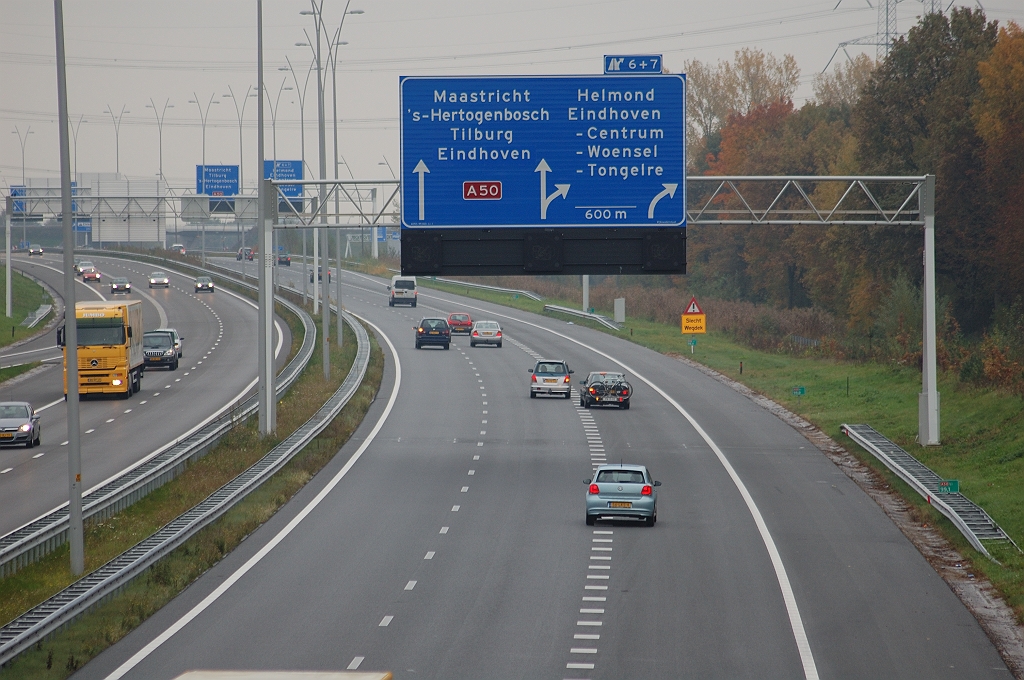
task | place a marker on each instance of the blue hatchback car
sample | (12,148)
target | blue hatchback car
(618,491)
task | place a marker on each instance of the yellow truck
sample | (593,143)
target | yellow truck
(110,357)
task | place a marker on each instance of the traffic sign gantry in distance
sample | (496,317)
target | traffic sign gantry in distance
(543,174)
(693,320)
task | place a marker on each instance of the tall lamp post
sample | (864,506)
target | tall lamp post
(160,130)
(273,117)
(74,133)
(300,94)
(117,134)
(240,113)
(203,117)
(23,140)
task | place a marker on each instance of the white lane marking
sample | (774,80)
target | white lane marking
(591,611)
(583,650)
(591,598)
(589,623)
(476,457)
(410,585)
(602,532)
(483,422)
(52,403)
(385,621)
(110,420)
(38,455)
(142,402)
(5,471)
(601,540)
(455,508)
(586,636)
(281,535)
(600,557)
(603,549)
(595,587)
(63,443)
(128,410)
(792,609)
(465,489)
(90,430)
(599,577)
(354,663)
(483,432)
(580,666)
(430,555)
(472,472)
(479,443)
(598,566)
(485,413)
(444,530)
(485,404)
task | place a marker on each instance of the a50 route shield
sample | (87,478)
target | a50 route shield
(543,151)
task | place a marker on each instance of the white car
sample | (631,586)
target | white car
(485,333)
(159,280)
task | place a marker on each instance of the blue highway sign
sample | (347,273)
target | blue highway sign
(285,170)
(543,151)
(615,64)
(217,180)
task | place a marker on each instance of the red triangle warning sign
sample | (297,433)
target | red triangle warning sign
(693,307)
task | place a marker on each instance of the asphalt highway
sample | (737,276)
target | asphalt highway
(447,538)
(217,368)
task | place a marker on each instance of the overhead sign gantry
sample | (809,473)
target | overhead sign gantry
(543,174)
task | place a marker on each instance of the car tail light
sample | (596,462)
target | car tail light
(566,379)
(476,334)
(420,330)
(625,392)
(498,334)
(533,378)
(646,491)
(594,489)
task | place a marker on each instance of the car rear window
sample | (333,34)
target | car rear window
(13,411)
(459,317)
(489,325)
(555,369)
(621,476)
(434,324)
(405,284)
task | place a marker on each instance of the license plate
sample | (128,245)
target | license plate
(620,504)
(94,380)
(546,381)
(434,332)
(488,334)
(6,435)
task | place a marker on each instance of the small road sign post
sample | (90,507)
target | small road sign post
(693,320)
(693,344)
(947,486)
(799,392)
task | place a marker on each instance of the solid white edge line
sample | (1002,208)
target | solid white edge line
(139,656)
(795,620)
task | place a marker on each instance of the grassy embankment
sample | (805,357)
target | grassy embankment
(59,656)
(982,429)
(26,296)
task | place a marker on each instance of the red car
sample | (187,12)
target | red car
(90,274)
(460,323)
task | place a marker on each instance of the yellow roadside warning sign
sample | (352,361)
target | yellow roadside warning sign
(693,319)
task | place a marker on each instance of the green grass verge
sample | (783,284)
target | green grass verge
(26,296)
(982,429)
(15,371)
(69,649)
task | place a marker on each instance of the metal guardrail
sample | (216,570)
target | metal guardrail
(603,320)
(498,289)
(973,522)
(43,535)
(35,317)
(44,619)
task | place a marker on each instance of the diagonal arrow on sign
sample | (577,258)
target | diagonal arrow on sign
(421,169)
(560,189)
(670,191)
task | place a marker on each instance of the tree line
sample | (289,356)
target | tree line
(948,100)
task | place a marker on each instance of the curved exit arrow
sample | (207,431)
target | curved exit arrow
(670,191)
(421,169)
(560,189)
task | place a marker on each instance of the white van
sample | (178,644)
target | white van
(402,291)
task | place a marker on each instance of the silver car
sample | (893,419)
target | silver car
(19,424)
(175,337)
(550,376)
(485,333)
(622,491)
(159,279)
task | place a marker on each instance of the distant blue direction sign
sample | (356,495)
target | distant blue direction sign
(543,151)
(217,180)
(614,64)
(285,170)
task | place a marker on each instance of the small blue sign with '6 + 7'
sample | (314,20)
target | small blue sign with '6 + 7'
(631,63)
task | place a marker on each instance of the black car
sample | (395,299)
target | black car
(204,284)
(158,348)
(433,332)
(244,253)
(605,388)
(320,275)
(120,284)
(284,259)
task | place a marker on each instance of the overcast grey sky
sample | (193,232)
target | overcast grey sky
(122,53)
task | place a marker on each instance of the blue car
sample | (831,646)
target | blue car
(433,332)
(622,491)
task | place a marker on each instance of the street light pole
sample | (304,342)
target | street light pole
(301,95)
(240,113)
(117,135)
(160,132)
(203,117)
(23,141)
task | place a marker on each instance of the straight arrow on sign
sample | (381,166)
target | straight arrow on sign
(421,169)
(560,189)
